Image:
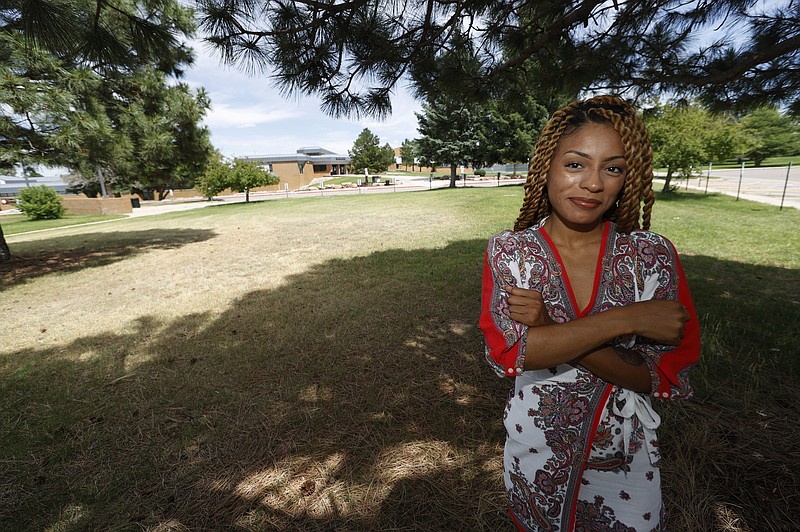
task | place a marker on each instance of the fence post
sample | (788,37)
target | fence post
(785,184)
(498,179)
(741,174)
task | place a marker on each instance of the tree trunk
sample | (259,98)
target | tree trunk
(102,181)
(5,253)
(667,180)
(758,159)
(453,175)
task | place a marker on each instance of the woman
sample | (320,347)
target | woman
(591,315)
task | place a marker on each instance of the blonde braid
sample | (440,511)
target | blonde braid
(638,155)
(535,205)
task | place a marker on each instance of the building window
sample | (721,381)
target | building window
(320,168)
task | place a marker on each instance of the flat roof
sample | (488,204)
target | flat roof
(307,154)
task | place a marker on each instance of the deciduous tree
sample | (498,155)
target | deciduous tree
(247,175)
(685,135)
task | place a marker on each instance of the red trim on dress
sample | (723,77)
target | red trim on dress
(688,353)
(598,270)
(506,355)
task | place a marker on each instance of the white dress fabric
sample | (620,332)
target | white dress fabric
(581,453)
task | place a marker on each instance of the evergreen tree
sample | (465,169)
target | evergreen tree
(770,134)
(450,135)
(63,68)
(508,133)
(729,53)
(408,153)
(368,153)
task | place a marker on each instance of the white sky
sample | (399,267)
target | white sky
(248,115)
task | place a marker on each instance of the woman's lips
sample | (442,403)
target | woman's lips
(585,203)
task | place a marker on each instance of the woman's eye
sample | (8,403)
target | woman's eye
(616,169)
(574,165)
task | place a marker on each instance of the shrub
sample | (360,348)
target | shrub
(40,203)
(481,172)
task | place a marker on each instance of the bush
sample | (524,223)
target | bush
(41,203)
(481,172)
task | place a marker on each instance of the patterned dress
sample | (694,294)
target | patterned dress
(581,453)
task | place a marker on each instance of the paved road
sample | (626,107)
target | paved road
(765,185)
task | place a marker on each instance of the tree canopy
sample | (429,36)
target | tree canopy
(686,136)
(450,135)
(85,84)
(730,54)
(368,153)
(770,133)
(90,89)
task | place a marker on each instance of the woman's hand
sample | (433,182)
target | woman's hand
(662,321)
(527,306)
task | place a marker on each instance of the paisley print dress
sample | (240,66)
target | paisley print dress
(581,453)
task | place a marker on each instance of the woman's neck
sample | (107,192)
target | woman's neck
(564,235)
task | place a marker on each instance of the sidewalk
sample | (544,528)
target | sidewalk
(751,189)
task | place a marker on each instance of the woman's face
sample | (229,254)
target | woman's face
(586,174)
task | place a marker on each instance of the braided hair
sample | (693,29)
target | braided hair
(636,197)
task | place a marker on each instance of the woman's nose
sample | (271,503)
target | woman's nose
(591,181)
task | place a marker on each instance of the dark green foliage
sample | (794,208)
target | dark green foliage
(408,152)
(732,54)
(771,134)
(40,203)
(368,153)
(450,135)
(85,85)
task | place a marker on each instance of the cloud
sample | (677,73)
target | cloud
(248,115)
(225,115)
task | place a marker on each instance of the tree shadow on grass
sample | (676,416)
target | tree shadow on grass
(65,254)
(354,397)
(732,459)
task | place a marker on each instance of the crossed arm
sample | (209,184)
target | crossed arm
(558,343)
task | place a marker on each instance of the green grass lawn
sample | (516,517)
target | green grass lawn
(19,223)
(315,364)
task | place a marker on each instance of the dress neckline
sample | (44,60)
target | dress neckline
(597,270)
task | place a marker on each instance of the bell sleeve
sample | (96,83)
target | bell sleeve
(669,365)
(505,338)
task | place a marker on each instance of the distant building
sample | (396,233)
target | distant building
(11,185)
(298,169)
